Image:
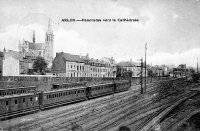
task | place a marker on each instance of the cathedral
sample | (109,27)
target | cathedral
(45,50)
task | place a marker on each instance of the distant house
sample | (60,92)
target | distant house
(11,63)
(133,67)
(26,65)
(180,70)
(68,65)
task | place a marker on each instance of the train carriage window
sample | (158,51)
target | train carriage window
(23,100)
(47,96)
(74,92)
(6,102)
(15,101)
(31,99)
(0,93)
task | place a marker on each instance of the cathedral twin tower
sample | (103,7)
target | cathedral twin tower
(45,50)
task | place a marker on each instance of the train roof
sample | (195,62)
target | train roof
(18,88)
(16,95)
(70,83)
(67,89)
(99,84)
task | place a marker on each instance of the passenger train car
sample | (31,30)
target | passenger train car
(22,103)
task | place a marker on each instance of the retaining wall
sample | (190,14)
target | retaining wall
(45,83)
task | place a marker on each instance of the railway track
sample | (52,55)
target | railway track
(80,114)
(150,118)
(180,113)
(62,125)
(39,122)
(104,124)
(142,108)
(63,122)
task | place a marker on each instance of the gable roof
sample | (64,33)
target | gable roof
(127,64)
(34,46)
(70,57)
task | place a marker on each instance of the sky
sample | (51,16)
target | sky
(171,28)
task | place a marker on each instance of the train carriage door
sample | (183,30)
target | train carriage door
(88,92)
(114,87)
(41,99)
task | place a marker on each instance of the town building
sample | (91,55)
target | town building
(11,63)
(180,71)
(68,65)
(44,50)
(134,67)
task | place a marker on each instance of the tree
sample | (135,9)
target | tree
(149,72)
(121,72)
(40,65)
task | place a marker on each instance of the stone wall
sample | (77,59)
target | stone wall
(45,83)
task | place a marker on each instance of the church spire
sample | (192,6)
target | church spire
(49,25)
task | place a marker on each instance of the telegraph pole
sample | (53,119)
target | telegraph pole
(197,66)
(145,67)
(141,73)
